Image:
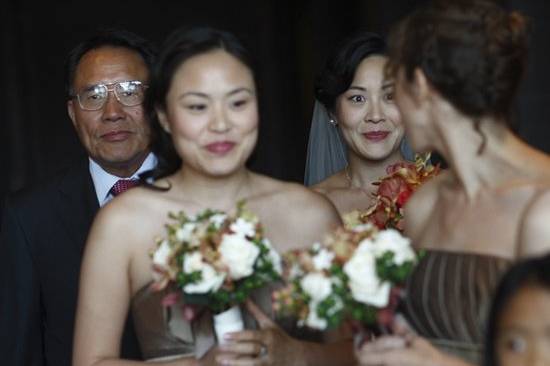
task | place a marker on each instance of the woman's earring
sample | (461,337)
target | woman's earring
(333,122)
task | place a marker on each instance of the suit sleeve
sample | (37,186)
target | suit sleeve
(20,308)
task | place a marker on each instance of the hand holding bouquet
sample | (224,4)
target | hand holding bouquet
(354,276)
(216,259)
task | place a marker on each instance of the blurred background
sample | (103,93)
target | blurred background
(290,39)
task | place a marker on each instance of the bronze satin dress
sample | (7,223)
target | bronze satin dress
(448,300)
(164,334)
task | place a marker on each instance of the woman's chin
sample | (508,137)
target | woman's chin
(380,154)
(214,171)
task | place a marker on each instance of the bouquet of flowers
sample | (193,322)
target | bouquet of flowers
(393,192)
(354,276)
(216,260)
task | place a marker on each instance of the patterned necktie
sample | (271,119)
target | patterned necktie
(122,185)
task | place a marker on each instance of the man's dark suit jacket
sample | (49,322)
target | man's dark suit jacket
(41,246)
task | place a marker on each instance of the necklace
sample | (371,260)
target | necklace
(350,183)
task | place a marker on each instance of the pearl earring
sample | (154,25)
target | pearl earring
(333,122)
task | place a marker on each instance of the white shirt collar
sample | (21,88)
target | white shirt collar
(103,181)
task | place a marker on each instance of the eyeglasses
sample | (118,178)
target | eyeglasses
(128,93)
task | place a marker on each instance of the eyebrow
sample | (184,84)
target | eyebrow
(204,95)
(355,87)
(238,90)
(389,84)
(196,94)
(89,87)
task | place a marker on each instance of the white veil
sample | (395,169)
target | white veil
(327,150)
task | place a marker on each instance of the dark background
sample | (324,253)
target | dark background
(291,40)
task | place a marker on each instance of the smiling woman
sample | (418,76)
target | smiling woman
(362,114)
(458,67)
(212,114)
(202,96)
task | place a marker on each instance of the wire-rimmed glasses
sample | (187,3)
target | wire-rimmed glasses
(128,93)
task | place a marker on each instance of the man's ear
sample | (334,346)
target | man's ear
(70,110)
(163,119)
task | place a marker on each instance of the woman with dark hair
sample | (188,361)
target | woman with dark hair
(457,67)
(356,130)
(205,97)
(518,333)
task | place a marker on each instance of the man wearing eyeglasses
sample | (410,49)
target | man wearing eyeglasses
(44,229)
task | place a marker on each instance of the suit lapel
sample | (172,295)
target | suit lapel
(77,204)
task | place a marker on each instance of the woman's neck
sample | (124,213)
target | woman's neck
(220,193)
(361,173)
(485,157)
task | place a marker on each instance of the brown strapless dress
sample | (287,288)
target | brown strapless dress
(448,300)
(164,334)
(161,331)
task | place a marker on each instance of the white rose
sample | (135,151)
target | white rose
(162,255)
(210,279)
(218,220)
(185,233)
(243,228)
(366,245)
(317,286)
(392,241)
(364,283)
(239,255)
(313,320)
(274,257)
(323,259)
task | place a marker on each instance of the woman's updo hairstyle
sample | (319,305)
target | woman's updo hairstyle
(340,68)
(472,51)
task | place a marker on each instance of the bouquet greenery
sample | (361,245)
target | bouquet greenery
(355,275)
(216,259)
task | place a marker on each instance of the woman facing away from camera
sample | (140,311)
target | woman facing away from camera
(518,332)
(204,93)
(457,67)
(356,131)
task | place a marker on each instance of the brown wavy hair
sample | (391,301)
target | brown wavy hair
(474,53)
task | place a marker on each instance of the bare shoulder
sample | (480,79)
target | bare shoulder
(420,206)
(295,216)
(535,230)
(128,218)
(334,182)
(296,198)
(126,207)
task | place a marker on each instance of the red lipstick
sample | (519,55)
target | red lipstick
(220,147)
(376,136)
